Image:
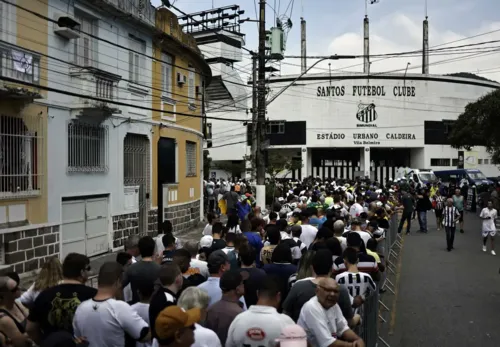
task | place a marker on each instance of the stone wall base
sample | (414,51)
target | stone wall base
(183,217)
(123,226)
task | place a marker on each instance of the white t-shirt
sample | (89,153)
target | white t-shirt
(258,326)
(343,242)
(356,210)
(356,283)
(204,337)
(104,323)
(489,224)
(365,236)
(29,296)
(207,230)
(308,234)
(235,229)
(202,265)
(142,310)
(322,326)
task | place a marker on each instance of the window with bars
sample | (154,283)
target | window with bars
(21,156)
(190,158)
(136,61)
(440,162)
(85,47)
(87,147)
(191,86)
(166,75)
(135,160)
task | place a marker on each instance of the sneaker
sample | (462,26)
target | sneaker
(484,248)
(493,252)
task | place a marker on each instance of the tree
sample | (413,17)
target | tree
(279,165)
(478,126)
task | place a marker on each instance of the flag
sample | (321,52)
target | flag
(374,2)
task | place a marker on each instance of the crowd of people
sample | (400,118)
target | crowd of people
(300,272)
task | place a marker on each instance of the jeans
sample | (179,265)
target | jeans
(422,220)
(450,236)
(405,217)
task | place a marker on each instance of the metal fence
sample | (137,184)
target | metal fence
(374,310)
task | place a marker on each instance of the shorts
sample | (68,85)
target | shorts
(461,219)
(490,233)
(439,213)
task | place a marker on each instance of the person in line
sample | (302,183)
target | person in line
(50,275)
(338,230)
(439,202)
(357,208)
(194,297)
(254,237)
(218,237)
(308,231)
(407,207)
(12,315)
(176,326)
(262,324)
(233,224)
(281,267)
(305,289)
(366,263)
(231,198)
(147,269)
(218,264)
(459,202)
(243,208)
(450,218)
(211,219)
(273,239)
(489,216)
(132,247)
(221,314)
(323,321)
(146,291)
(255,275)
(105,321)
(423,205)
(125,260)
(191,276)
(356,228)
(356,282)
(54,308)
(169,248)
(192,248)
(171,280)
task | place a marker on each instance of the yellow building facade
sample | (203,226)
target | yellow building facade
(179,74)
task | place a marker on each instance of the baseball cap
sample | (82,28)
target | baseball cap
(217,259)
(173,318)
(230,280)
(293,336)
(206,241)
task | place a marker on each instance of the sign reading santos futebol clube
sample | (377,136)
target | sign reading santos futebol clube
(397,91)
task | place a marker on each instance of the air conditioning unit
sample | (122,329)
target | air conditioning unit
(67,27)
(181,79)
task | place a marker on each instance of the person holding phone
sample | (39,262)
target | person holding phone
(489,215)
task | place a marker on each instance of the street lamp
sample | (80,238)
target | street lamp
(332,57)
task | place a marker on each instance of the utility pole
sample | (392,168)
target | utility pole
(261,114)
(254,116)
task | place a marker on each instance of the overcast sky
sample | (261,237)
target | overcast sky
(336,27)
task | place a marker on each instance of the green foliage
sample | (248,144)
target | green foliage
(281,165)
(479,125)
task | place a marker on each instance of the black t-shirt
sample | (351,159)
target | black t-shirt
(160,300)
(140,272)
(55,307)
(252,285)
(218,244)
(168,256)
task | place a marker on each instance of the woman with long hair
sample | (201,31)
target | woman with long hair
(49,276)
(12,315)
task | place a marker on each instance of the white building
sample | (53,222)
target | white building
(99,152)
(345,125)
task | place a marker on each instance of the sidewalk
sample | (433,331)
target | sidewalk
(96,262)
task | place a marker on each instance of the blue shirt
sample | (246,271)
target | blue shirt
(317,222)
(243,210)
(255,241)
(212,287)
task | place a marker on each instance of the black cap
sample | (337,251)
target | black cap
(230,280)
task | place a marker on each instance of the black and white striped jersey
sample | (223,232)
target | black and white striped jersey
(357,283)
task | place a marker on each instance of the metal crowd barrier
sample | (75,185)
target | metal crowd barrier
(374,310)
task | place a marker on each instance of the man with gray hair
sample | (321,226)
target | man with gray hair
(132,247)
(338,230)
(194,297)
(192,247)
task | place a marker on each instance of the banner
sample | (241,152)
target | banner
(470,160)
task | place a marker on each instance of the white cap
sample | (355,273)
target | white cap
(293,336)
(206,241)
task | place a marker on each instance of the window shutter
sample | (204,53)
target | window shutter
(163,78)
(142,70)
(2,13)
(86,51)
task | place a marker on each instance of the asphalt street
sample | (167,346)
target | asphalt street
(447,298)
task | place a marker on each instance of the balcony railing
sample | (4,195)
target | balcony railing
(141,10)
(94,84)
(20,65)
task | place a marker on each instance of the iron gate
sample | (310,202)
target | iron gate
(136,166)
